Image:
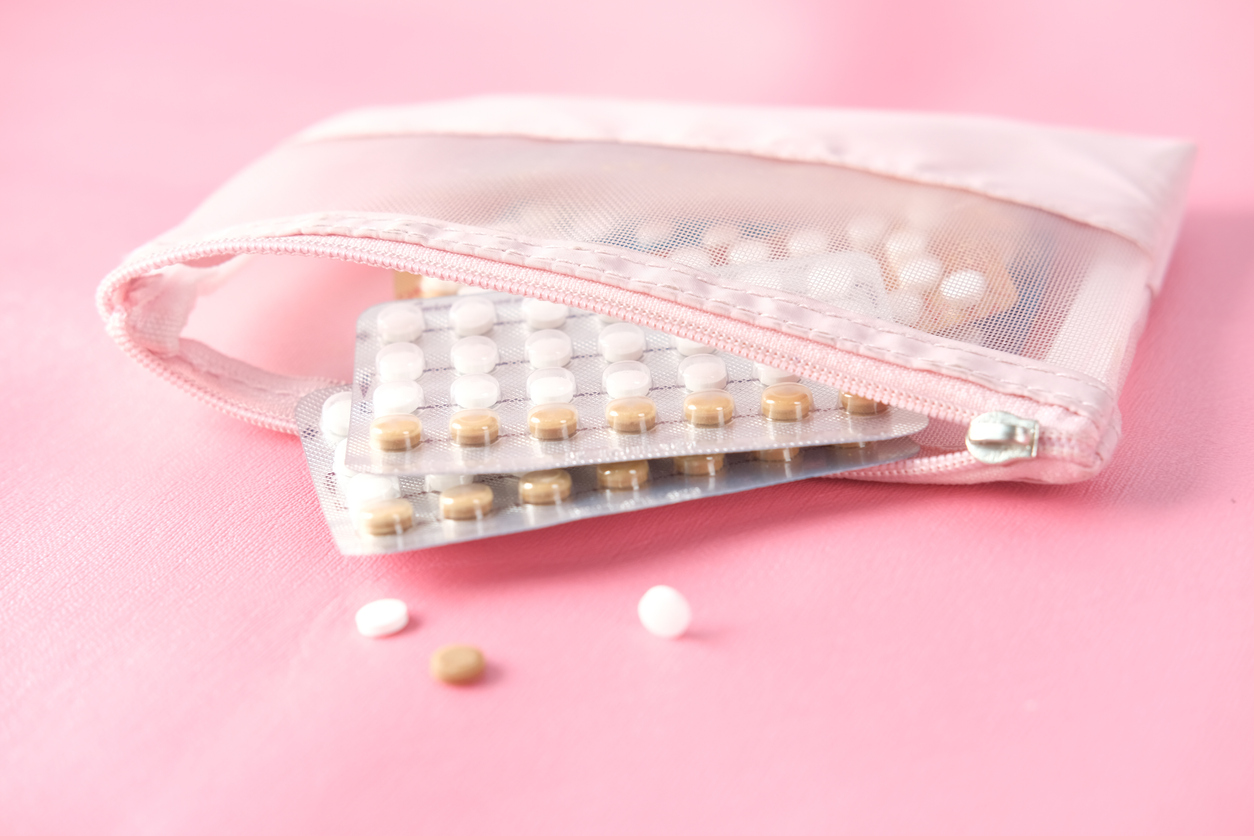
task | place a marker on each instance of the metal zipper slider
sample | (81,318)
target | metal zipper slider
(999,437)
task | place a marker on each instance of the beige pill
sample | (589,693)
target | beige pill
(457,664)
(474,428)
(709,409)
(780,454)
(622,476)
(861,406)
(699,465)
(466,502)
(395,432)
(786,402)
(385,516)
(552,422)
(544,487)
(631,415)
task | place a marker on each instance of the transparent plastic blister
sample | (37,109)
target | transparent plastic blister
(409,512)
(486,384)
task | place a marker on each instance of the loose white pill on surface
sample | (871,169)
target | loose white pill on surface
(551,386)
(905,244)
(807,242)
(474,355)
(690,347)
(471,290)
(399,361)
(702,372)
(769,375)
(400,323)
(606,319)
(664,612)
(865,231)
(370,487)
(748,252)
(397,397)
(691,257)
(628,379)
(471,317)
(621,341)
(336,411)
(963,288)
(919,275)
(548,349)
(382,618)
(541,315)
(437,482)
(475,391)
(719,236)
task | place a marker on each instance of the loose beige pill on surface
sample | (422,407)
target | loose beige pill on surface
(466,502)
(631,415)
(544,487)
(385,516)
(787,402)
(622,476)
(709,409)
(552,422)
(779,454)
(457,664)
(393,433)
(699,465)
(855,405)
(474,428)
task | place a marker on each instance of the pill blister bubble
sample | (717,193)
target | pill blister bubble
(399,361)
(548,349)
(474,428)
(699,465)
(787,402)
(540,315)
(626,379)
(621,341)
(474,355)
(654,233)
(664,612)
(397,397)
(336,411)
(382,618)
(551,386)
(401,322)
(544,487)
(370,487)
(748,252)
(471,317)
(631,415)
(384,517)
(436,482)
(964,288)
(805,242)
(907,308)
(709,408)
(475,391)
(466,502)
(688,347)
(606,319)
(338,461)
(719,236)
(430,287)
(905,244)
(622,476)
(552,422)
(769,375)
(691,257)
(703,371)
(395,433)
(865,231)
(919,275)
(837,275)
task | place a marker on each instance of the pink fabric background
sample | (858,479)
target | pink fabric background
(177,652)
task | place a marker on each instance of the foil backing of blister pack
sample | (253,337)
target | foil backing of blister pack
(666,486)
(516,450)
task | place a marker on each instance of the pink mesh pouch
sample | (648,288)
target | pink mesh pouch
(992,275)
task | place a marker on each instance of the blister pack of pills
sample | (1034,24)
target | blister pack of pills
(492,383)
(372,513)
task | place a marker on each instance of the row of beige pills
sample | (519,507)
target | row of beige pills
(474,501)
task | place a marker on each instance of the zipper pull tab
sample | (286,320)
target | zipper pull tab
(999,437)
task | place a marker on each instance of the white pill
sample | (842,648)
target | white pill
(692,257)
(338,459)
(865,231)
(336,411)
(370,487)
(541,315)
(382,618)
(606,319)
(664,612)
(905,244)
(654,232)
(471,290)
(702,372)
(835,276)
(551,386)
(470,316)
(475,391)
(690,347)
(807,242)
(400,323)
(547,349)
(769,375)
(397,397)
(963,288)
(431,286)
(437,482)
(621,341)
(719,236)
(919,275)
(907,308)
(748,252)
(474,355)
(399,361)
(628,379)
